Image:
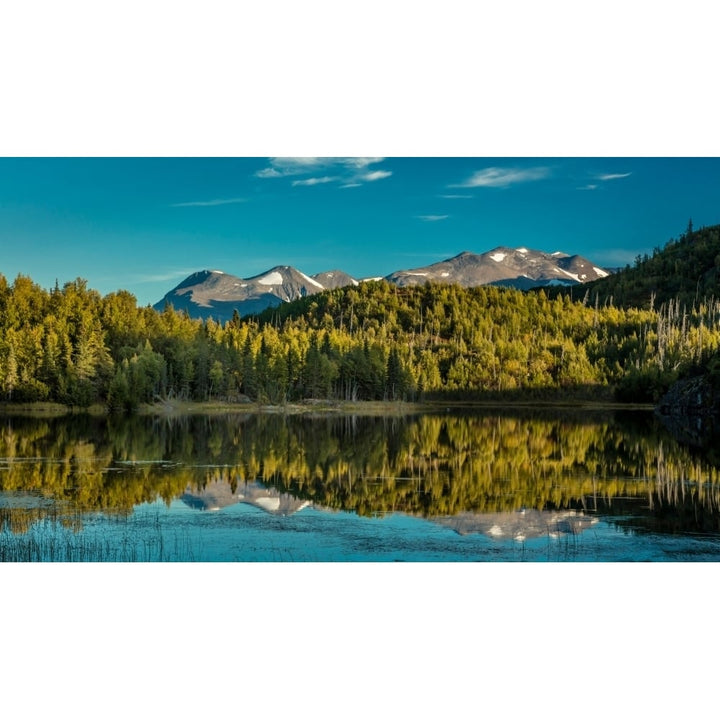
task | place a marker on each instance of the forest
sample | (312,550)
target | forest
(685,271)
(375,341)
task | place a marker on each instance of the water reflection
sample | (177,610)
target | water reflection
(218,494)
(521,525)
(504,475)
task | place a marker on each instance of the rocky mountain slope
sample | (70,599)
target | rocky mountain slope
(212,293)
(519,267)
(334,279)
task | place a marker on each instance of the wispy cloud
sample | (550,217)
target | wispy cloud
(588,187)
(503,177)
(350,171)
(315,181)
(612,176)
(269,172)
(432,218)
(456,197)
(376,175)
(210,203)
(284,166)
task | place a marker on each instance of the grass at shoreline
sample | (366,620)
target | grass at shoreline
(49,409)
(323,407)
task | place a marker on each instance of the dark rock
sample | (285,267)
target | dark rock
(691,411)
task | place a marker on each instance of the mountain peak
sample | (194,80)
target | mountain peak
(216,294)
(517,267)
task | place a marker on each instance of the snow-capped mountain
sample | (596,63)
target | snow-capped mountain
(516,267)
(215,294)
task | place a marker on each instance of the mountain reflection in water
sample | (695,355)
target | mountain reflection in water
(520,525)
(504,475)
(218,494)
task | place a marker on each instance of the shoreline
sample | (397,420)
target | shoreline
(323,407)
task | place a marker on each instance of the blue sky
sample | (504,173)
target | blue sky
(144,224)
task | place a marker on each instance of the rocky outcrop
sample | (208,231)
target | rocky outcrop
(691,411)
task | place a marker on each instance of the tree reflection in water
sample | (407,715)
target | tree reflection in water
(466,470)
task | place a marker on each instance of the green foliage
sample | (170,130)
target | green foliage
(686,270)
(371,342)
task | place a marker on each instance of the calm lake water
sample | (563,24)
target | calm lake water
(455,486)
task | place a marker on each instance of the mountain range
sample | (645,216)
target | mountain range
(216,294)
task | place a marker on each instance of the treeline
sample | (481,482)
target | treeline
(371,342)
(685,271)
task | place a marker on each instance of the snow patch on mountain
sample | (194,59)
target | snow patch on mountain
(312,282)
(273,278)
(498,256)
(574,276)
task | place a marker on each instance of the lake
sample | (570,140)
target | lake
(483,485)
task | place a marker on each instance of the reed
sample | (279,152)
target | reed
(50,542)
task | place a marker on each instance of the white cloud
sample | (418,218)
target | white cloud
(456,197)
(284,166)
(315,181)
(432,218)
(359,163)
(613,176)
(352,184)
(352,171)
(210,203)
(268,172)
(376,175)
(503,177)
(588,187)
